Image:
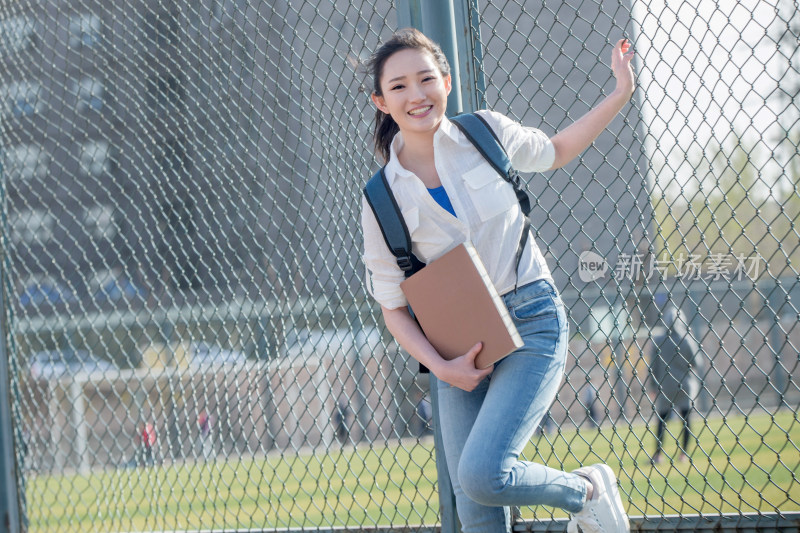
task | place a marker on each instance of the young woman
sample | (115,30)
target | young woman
(448,194)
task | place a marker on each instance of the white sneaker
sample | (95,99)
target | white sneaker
(604,512)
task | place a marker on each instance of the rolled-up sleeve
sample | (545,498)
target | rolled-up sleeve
(529,149)
(383,275)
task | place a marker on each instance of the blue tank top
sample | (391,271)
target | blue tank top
(440,195)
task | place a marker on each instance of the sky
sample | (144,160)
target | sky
(708,67)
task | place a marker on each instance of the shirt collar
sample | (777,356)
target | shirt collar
(449,129)
(393,167)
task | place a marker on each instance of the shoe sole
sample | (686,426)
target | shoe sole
(610,481)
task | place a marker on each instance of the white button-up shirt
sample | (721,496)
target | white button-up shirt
(488,213)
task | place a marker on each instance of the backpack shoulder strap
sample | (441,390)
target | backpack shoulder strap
(393,227)
(483,138)
(381,200)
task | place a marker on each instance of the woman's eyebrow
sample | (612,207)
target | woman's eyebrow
(426,71)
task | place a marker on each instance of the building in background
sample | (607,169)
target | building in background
(190,172)
(173,153)
(180,154)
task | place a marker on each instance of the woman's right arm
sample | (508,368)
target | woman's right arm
(383,283)
(459,372)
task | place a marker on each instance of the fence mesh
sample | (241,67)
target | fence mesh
(189,340)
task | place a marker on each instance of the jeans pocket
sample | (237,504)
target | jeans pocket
(540,324)
(538,307)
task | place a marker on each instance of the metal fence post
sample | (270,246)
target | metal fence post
(449,23)
(699,329)
(780,376)
(447,498)
(470,57)
(9,500)
(409,14)
(9,497)
(437,21)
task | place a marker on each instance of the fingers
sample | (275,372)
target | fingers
(621,57)
(624,46)
(472,355)
(466,375)
(473,378)
(474,351)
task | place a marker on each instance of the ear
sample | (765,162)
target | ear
(380,103)
(448,83)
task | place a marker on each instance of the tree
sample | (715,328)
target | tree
(725,210)
(786,33)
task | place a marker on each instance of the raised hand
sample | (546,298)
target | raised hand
(621,57)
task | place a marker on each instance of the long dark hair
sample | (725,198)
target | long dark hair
(385,126)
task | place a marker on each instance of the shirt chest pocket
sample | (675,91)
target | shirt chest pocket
(428,237)
(491,195)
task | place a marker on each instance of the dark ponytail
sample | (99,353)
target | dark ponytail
(385,126)
(385,130)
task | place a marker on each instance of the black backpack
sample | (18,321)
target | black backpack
(382,201)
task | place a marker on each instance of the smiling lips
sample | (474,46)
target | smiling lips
(420,110)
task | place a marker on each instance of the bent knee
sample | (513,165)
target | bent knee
(481,484)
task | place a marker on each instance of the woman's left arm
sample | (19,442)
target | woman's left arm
(577,137)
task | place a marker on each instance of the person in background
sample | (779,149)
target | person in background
(205,422)
(589,400)
(148,440)
(342,419)
(673,372)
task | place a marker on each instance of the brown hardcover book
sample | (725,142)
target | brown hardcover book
(457,306)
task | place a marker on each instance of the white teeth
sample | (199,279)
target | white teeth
(420,110)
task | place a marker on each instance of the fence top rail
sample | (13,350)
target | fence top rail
(718,522)
(738,522)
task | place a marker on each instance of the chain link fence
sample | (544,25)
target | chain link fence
(189,345)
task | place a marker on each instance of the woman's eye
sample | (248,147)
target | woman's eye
(394,88)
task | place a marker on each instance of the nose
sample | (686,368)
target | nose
(417,93)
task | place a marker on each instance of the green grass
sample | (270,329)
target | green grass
(742,464)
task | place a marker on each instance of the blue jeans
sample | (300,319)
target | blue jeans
(484,431)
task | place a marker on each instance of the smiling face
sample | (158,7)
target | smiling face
(414,92)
